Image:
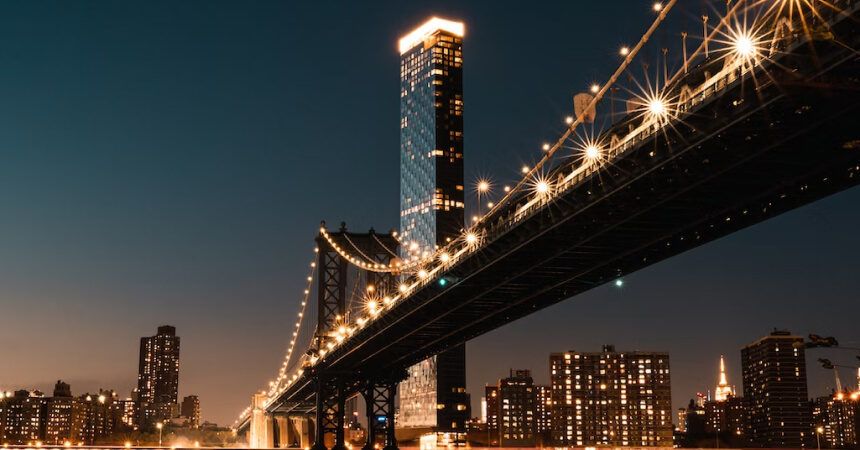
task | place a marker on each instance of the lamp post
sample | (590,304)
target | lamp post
(160,426)
(818,432)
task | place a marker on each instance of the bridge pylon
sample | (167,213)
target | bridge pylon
(379,394)
(333,307)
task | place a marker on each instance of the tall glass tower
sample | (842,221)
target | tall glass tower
(431,204)
(431,134)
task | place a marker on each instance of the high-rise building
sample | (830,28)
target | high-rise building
(432,205)
(543,415)
(22,418)
(431,134)
(611,398)
(158,377)
(64,417)
(191,410)
(837,416)
(493,406)
(127,412)
(511,416)
(724,414)
(100,415)
(778,410)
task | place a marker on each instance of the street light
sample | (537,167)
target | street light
(160,426)
(819,430)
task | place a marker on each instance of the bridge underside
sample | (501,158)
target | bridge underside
(759,149)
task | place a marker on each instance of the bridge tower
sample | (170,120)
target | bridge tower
(333,306)
(260,433)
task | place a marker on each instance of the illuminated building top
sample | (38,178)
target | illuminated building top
(723,390)
(428,29)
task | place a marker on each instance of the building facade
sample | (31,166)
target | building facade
(29,418)
(611,398)
(837,419)
(543,415)
(22,417)
(432,205)
(777,407)
(724,413)
(511,414)
(158,377)
(191,410)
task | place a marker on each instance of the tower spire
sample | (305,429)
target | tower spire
(723,389)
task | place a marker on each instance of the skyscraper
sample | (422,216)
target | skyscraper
(611,398)
(723,390)
(778,410)
(158,377)
(431,134)
(431,204)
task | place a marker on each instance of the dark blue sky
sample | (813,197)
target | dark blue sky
(169,162)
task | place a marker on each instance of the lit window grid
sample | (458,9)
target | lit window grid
(611,399)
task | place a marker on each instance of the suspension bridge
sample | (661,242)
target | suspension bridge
(761,119)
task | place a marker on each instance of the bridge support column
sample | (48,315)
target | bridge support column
(331,400)
(299,432)
(281,431)
(379,398)
(261,430)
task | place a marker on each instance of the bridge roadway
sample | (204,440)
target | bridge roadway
(760,146)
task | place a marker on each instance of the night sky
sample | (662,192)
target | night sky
(169,163)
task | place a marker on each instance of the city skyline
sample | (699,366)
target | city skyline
(117,222)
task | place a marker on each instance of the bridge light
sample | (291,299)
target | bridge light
(625,51)
(371,306)
(403,288)
(341,330)
(595,88)
(619,283)
(422,273)
(471,238)
(592,152)
(483,186)
(657,107)
(546,147)
(568,120)
(658,6)
(442,281)
(507,189)
(744,46)
(444,257)
(542,187)
(525,169)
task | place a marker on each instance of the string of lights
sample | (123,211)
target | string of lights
(277,385)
